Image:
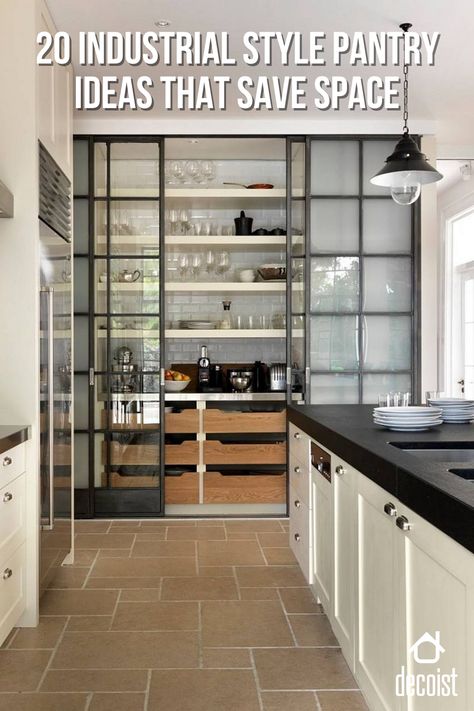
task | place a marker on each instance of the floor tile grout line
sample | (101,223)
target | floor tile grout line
(84,584)
(53,653)
(288,621)
(88,701)
(256,680)
(200,647)
(114,611)
(234,572)
(316,699)
(147,690)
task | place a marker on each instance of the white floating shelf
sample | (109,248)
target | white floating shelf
(129,239)
(229,242)
(126,286)
(227,286)
(129,192)
(128,333)
(226,333)
(236,192)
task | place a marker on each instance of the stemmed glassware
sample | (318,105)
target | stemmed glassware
(210,262)
(196,263)
(183,266)
(223,263)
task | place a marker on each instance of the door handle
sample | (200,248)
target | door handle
(7,497)
(403,523)
(390,509)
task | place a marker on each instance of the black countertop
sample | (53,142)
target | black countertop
(428,488)
(11,435)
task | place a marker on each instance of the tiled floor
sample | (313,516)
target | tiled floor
(212,615)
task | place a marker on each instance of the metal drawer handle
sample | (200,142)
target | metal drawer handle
(403,523)
(7,573)
(7,497)
(7,461)
(297,503)
(340,469)
(297,537)
(390,509)
(297,435)
(297,470)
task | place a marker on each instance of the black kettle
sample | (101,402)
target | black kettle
(243,224)
(260,377)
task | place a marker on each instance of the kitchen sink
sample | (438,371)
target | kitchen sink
(451,455)
(467,474)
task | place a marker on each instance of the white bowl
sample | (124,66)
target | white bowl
(176,386)
(247,275)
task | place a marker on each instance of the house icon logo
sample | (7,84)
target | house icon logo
(421,644)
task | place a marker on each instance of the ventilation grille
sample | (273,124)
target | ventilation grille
(54,195)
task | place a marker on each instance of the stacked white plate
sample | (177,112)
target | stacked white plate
(454,409)
(408,419)
(198,325)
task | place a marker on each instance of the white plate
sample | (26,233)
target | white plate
(409,429)
(419,418)
(404,423)
(453,402)
(410,410)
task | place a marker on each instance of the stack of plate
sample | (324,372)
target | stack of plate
(408,419)
(454,409)
(198,325)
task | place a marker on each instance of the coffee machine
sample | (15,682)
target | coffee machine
(125,372)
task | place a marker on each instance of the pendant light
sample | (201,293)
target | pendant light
(407,168)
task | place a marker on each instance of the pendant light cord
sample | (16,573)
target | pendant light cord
(405,85)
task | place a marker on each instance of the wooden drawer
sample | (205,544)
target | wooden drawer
(240,489)
(300,535)
(12,590)
(124,481)
(182,489)
(300,480)
(12,463)
(216,421)
(216,452)
(181,422)
(12,516)
(132,454)
(129,421)
(184,453)
(62,455)
(299,444)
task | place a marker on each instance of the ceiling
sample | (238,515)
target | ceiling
(451,172)
(443,93)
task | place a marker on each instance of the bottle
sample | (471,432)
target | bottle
(226,322)
(204,369)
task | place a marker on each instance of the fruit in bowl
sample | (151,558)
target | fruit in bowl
(176,382)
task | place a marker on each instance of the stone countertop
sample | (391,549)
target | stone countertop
(11,435)
(427,487)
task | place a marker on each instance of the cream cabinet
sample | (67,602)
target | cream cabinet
(321,526)
(299,502)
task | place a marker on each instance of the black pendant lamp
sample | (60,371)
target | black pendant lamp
(407,168)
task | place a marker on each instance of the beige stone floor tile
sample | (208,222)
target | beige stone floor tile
(273,540)
(312,631)
(21,670)
(125,526)
(150,549)
(241,536)
(279,556)
(123,583)
(165,523)
(155,535)
(95,680)
(9,638)
(342,701)
(117,702)
(247,623)
(84,558)
(270,576)
(203,690)
(144,568)
(210,522)
(198,533)
(289,701)
(114,553)
(66,577)
(216,571)
(156,616)
(43,702)
(103,540)
(302,668)
(78,602)
(89,623)
(91,526)
(229,553)
(199,588)
(45,636)
(226,658)
(126,650)
(259,594)
(254,525)
(145,595)
(299,600)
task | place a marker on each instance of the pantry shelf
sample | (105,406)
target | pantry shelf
(228,286)
(229,242)
(212,333)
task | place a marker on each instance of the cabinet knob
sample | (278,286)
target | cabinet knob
(297,537)
(403,523)
(340,470)
(390,509)
(7,461)
(7,497)
(7,573)
(297,504)
(297,435)
(297,470)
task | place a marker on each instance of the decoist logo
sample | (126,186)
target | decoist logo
(429,684)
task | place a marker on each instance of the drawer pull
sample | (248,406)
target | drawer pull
(403,523)
(7,461)
(297,537)
(297,470)
(7,573)
(7,497)
(340,470)
(297,435)
(390,509)
(297,503)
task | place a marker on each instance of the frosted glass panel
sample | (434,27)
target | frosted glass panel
(375,384)
(386,226)
(375,153)
(297,227)
(334,168)
(81,226)
(81,461)
(81,402)
(334,389)
(334,342)
(81,343)
(334,284)
(81,167)
(387,284)
(297,168)
(387,342)
(335,226)
(81,284)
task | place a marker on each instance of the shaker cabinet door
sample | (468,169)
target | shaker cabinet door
(321,495)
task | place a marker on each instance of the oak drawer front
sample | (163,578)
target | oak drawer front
(300,480)
(299,444)
(12,463)
(300,534)
(124,481)
(216,452)
(216,421)
(132,454)
(182,422)
(12,590)
(12,515)
(184,453)
(244,489)
(182,489)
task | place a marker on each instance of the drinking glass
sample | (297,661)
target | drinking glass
(394,399)
(206,228)
(184,219)
(192,170)
(174,221)
(210,261)
(223,263)
(177,171)
(196,263)
(208,168)
(183,265)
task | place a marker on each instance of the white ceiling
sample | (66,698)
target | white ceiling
(444,93)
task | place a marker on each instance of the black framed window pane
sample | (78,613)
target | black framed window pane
(134,227)
(81,167)
(386,227)
(327,388)
(334,167)
(387,343)
(134,169)
(81,226)
(81,402)
(375,153)
(334,343)
(103,383)
(81,284)
(375,384)
(100,169)
(387,284)
(334,284)
(334,226)
(81,460)
(101,461)
(81,343)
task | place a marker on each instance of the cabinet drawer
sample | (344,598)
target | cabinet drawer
(12,516)
(12,590)
(299,444)
(300,535)
(124,481)
(216,421)
(132,454)
(300,480)
(182,422)
(244,489)
(12,463)
(182,489)
(268,453)
(184,453)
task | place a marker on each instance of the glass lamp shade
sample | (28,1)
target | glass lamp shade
(405,171)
